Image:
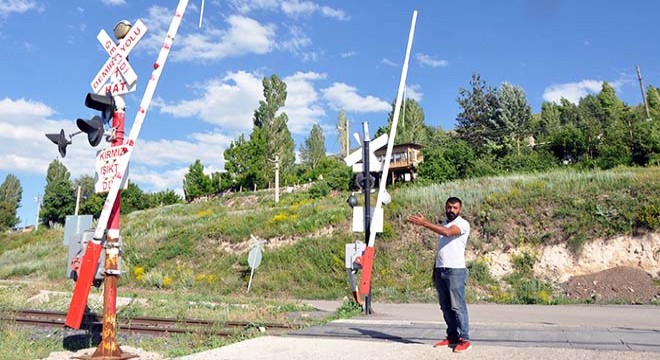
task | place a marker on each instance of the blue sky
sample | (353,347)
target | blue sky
(332,54)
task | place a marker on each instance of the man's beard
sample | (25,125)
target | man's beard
(451,216)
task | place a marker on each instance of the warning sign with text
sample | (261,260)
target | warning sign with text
(107,163)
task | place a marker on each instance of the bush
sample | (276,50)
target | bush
(648,217)
(319,189)
(479,272)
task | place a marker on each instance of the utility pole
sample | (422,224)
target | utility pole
(345,126)
(77,201)
(277,179)
(36,221)
(641,87)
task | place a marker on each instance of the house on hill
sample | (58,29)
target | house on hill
(404,161)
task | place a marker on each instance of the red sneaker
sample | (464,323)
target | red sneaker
(446,342)
(462,346)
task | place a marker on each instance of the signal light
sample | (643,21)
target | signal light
(93,128)
(60,140)
(103,103)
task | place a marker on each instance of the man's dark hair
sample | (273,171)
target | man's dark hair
(454,200)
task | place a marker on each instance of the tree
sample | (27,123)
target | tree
(653,99)
(343,129)
(59,199)
(411,127)
(244,161)
(568,143)
(550,119)
(590,122)
(133,198)
(514,114)
(11,194)
(478,115)
(446,158)
(165,197)
(195,182)
(612,106)
(270,127)
(313,150)
(86,184)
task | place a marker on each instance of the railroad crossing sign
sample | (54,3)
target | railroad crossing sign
(375,165)
(107,164)
(254,257)
(125,78)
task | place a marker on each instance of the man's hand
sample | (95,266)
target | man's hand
(418,219)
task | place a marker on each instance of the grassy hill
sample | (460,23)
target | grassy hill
(202,247)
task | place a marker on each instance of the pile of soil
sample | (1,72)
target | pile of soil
(620,284)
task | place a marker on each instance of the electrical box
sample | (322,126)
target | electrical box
(353,250)
(77,247)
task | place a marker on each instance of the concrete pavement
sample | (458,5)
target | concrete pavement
(407,331)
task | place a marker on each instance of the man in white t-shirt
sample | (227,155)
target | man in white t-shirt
(450,273)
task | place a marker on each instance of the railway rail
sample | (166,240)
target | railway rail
(146,325)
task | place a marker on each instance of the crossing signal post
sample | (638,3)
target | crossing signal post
(358,255)
(122,80)
(112,108)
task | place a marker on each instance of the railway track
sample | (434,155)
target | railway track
(146,325)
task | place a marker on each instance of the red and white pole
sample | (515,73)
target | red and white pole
(108,348)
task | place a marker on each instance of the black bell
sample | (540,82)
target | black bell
(93,128)
(59,140)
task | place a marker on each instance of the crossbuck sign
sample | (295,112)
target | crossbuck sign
(107,163)
(125,78)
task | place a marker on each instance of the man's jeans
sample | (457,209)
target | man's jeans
(450,284)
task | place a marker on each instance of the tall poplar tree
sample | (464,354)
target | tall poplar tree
(11,194)
(313,150)
(59,198)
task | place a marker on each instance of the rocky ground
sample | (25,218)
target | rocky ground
(625,284)
(142,354)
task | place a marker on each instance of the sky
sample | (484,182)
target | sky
(332,54)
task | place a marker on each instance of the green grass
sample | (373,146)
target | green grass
(202,247)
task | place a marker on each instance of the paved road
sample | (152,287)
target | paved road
(406,331)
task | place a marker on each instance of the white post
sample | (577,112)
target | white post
(36,221)
(77,201)
(250,282)
(277,179)
(348,139)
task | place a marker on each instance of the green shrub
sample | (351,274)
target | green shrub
(524,263)
(479,272)
(319,189)
(648,217)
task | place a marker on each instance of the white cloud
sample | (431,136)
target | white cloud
(343,96)
(245,6)
(334,13)
(16,6)
(151,180)
(428,60)
(114,2)
(155,165)
(228,102)
(413,92)
(302,103)
(572,92)
(389,62)
(162,164)
(291,8)
(24,146)
(297,43)
(348,54)
(243,35)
